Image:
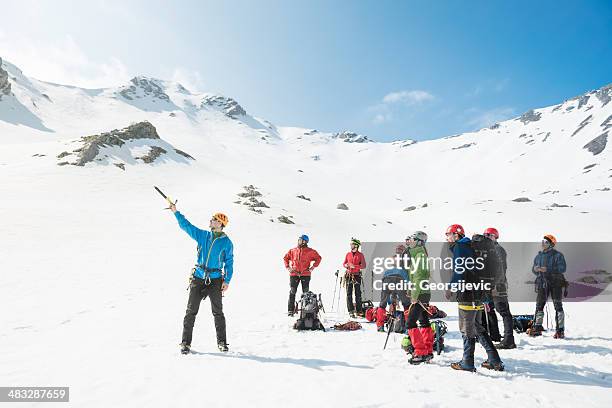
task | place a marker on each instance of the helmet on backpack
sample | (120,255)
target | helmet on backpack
(222,218)
(492,231)
(455,229)
(551,238)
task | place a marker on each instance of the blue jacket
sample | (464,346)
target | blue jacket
(553,260)
(215,253)
(397,272)
(461,249)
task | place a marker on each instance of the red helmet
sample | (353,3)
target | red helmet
(455,229)
(492,231)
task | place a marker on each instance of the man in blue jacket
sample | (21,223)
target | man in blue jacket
(549,267)
(211,275)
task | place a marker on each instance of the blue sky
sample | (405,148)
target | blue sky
(387,69)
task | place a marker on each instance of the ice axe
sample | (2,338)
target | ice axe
(166,197)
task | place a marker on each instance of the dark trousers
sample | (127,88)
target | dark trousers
(197,292)
(550,286)
(503,308)
(294,282)
(473,331)
(418,314)
(353,282)
(393,294)
(489,321)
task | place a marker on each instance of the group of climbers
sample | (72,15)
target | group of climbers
(214,269)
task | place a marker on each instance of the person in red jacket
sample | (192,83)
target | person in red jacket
(300,262)
(354,262)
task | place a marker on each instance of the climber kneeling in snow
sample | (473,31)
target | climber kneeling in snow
(421,335)
(394,285)
(300,262)
(215,255)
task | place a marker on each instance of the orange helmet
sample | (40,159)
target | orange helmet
(222,218)
(551,238)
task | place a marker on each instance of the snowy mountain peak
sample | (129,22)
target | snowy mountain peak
(144,87)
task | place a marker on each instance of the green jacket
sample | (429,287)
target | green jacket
(419,271)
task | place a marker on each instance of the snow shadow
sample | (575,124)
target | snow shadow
(557,373)
(316,364)
(576,349)
(17,114)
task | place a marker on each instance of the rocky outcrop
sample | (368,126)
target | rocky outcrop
(92,145)
(522,200)
(342,206)
(250,193)
(228,106)
(5,85)
(285,220)
(585,122)
(598,144)
(144,87)
(153,154)
(604,94)
(351,137)
(530,116)
(464,146)
(607,124)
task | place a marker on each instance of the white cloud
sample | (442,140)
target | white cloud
(408,97)
(62,62)
(395,103)
(190,79)
(382,118)
(489,86)
(483,119)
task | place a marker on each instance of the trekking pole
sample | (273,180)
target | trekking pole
(166,197)
(335,287)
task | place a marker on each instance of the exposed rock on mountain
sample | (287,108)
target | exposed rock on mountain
(228,106)
(5,85)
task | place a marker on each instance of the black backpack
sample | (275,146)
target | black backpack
(492,263)
(309,307)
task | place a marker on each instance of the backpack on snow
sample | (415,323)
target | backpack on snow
(439,328)
(309,307)
(398,322)
(520,323)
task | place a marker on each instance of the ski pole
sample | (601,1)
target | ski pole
(335,287)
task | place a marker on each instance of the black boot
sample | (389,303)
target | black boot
(185,348)
(223,347)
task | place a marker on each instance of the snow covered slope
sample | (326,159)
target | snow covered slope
(94,271)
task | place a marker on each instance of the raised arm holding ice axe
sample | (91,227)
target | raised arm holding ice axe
(210,276)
